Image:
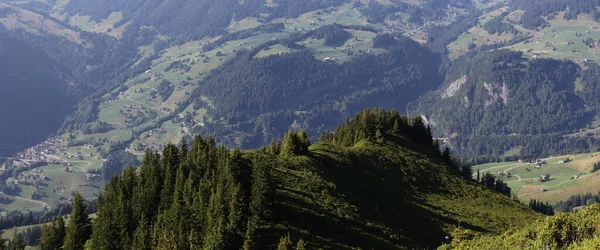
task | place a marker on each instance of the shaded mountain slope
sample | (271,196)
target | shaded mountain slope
(494,101)
(32,105)
(264,97)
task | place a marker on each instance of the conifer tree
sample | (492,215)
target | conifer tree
(379,136)
(301,245)
(304,142)
(17,242)
(53,235)
(141,239)
(79,229)
(285,243)
(396,128)
(291,144)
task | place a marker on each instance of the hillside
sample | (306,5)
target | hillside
(32,104)
(569,175)
(389,190)
(562,231)
(145,74)
(512,106)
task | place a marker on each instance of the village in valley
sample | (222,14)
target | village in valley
(49,173)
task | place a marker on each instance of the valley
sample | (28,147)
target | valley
(128,81)
(569,175)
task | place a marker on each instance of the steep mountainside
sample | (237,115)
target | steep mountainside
(488,96)
(269,95)
(148,73)
(32,104)
(389,190)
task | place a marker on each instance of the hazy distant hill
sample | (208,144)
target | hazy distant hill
(32,104)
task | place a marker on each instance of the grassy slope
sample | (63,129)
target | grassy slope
(381,197)
(562,231)
(526,185)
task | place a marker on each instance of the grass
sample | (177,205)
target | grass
(104,26)
(525,183)
(36,24)
(559,33)
(382,196)
(477,35)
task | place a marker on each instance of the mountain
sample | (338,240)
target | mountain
(489,96)
(379,181)
(268,95)
(32,104)
(491,80)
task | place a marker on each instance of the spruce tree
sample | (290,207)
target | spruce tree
(396,127)
(301,245)
(304,142)
(79,229)
(285,243)
(17,242)
(291,144)
(53,235)
(379,136)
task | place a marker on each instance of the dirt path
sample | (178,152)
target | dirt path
(30,200)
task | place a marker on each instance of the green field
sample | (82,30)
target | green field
(561,39)
(524,179)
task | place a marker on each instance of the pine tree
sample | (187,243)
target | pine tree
(291,144)
(379,136)
(301,245)
(17,242)
(304,142)
(396,127)
(141,239)
(285,243)
(53,235)
(79,229)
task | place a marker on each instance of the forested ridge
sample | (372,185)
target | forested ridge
(379,168)
(270,93)
(491,94)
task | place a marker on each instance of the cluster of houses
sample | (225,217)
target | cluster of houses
(154,76)
(92,177)
(149,134)
(127,110)
(31,179)
(141,146)
(41,151)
